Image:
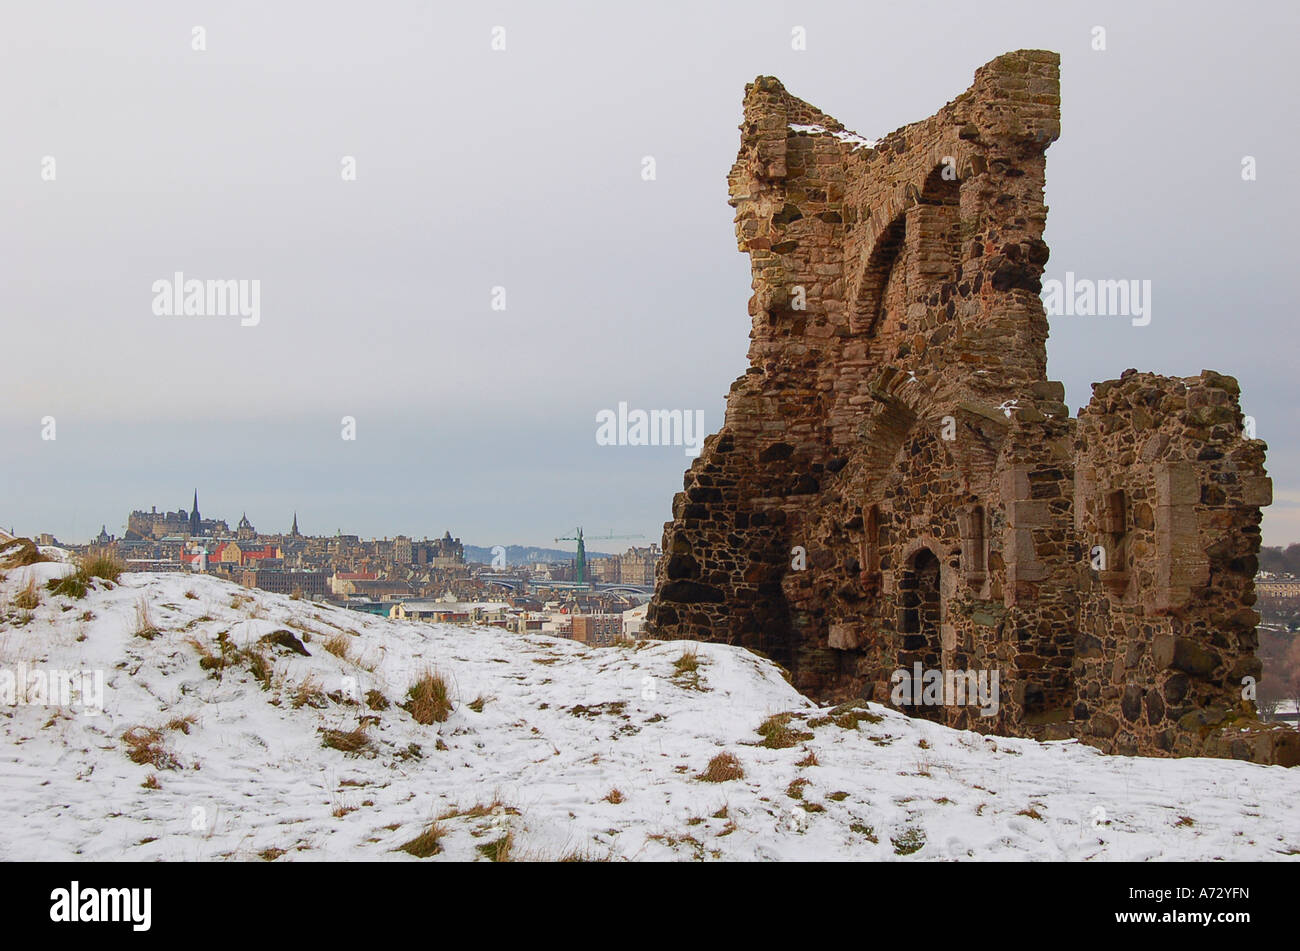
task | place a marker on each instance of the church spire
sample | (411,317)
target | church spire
(196,523)
(294,531)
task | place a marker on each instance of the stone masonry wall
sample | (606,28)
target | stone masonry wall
(896,482)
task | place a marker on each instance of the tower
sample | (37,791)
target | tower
(196,523)
(582,559)
(293,532)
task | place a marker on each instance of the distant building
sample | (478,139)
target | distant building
(154,524)
(597,630)
(450,612)
(344,583)
(310,583)
(605,570)
(637,565)
(196,523)
(634,620)
(1278,587)
(446,552)
(157,525)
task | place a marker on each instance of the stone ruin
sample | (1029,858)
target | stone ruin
(897,482)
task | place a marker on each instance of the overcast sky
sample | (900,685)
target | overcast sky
(522,169)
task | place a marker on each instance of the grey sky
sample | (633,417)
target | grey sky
(522,169)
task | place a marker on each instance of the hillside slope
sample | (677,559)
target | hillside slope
(542,731)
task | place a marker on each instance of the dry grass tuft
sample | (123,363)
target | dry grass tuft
(309,693)
(615,796)
(144,626)
(73,586)
(429,699)
(28,598)
(425,844)
(499,850)
(182,724)
(777,735)
(340,645)
(146,746)
(689,662)
(19,553)
(721,769)
(479,810)
(352,742)
(578,855)
(100,564)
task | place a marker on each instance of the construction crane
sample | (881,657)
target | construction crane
(582,549)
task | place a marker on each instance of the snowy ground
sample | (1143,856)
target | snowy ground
(559,727)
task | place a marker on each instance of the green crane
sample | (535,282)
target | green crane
(582,549)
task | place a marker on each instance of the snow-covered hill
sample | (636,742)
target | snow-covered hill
(552,750)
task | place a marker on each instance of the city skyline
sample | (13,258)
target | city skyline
(190,514)
(378,294)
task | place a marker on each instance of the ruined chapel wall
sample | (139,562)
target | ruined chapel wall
(1168,494)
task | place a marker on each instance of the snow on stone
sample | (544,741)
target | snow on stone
(852,138)
(543,731)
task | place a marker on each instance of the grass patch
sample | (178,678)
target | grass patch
(308,693)
(579,855)
(498,850)
(689,662)
(908,841)
(28,598)
(777,735)
(480,810)
(340,645)
(101,564)
(182,724)
(146,746)
(427,843)
(144,625)
(809,760)
(615,796)
(428,700)
(721,769)
(846,716)
(1031,812)
(864,830)
(20,552)
(376,700)
(73,586)
(258,665)
(351,742)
